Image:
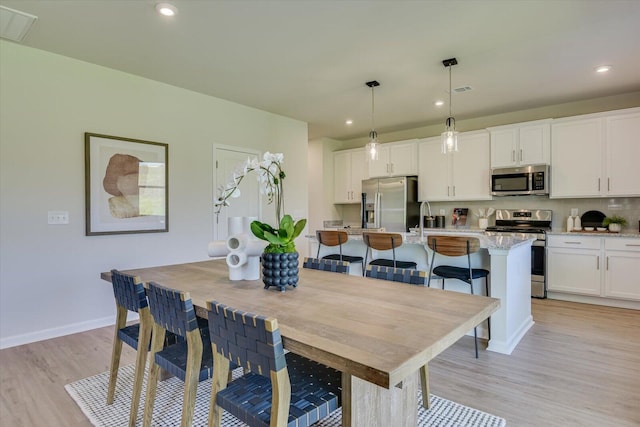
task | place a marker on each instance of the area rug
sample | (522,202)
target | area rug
(90,395)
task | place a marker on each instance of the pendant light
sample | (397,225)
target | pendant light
(372,145)
(450,135)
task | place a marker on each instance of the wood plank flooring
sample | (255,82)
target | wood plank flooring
(578,366)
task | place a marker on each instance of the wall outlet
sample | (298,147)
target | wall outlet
(58,217)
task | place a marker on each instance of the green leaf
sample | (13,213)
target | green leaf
(299,227)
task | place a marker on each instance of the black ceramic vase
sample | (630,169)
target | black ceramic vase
(280,270)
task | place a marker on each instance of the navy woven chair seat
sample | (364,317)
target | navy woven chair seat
(457,246)
(280,390)
(189,359)
(324,264)
(347,258)
(402,275)
(393,264)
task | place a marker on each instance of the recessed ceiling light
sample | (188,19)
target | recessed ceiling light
(439,103)
(603,68)
(348,122)
(166,9)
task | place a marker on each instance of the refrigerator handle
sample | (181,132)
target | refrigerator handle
(376,212)
(364,210)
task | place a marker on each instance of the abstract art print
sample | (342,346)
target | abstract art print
(126,185)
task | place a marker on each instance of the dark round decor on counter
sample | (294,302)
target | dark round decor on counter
(592,219)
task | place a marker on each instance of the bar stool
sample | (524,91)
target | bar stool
(385,242)
(334,238)
(456,246)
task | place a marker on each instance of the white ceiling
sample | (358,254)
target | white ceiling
(309,60)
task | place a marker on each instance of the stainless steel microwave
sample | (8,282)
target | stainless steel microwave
(520,181)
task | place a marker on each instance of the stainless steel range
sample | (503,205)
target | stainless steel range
(524,223)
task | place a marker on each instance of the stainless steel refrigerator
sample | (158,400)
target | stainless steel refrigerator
(391,203)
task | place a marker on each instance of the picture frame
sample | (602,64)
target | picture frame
(126,185)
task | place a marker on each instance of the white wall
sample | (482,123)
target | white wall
(49,274)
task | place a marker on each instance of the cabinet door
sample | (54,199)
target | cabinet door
(574,271)
(623,152)
(576,158)
(380,167)
(358,163)
(403,159)
(534,145)
(503,147)
(471,167)
(622,278)
(341,177)
(433,177)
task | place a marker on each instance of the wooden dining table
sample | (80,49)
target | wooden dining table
(379,334)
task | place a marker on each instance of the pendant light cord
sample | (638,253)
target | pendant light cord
(449,90)
(373,127)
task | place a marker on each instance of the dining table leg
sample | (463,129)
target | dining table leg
(365,404)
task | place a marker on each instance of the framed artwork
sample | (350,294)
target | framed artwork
(126,185)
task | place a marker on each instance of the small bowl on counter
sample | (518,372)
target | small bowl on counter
(601,228)
(588,229)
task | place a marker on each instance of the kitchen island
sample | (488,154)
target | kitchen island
(507,258)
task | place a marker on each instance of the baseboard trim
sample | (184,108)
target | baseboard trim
(60,331)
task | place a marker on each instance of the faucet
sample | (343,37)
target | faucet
(421,219)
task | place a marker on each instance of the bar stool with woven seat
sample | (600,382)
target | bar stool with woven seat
(188,360)
(385,242)
(324,264)
(279,389)
(412,277)
(456,246)
(334,238)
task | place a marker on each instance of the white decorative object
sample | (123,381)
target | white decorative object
(615,228)
(241,249)
(483,223)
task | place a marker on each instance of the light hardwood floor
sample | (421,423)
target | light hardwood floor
(578,366)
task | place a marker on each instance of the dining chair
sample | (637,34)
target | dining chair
(457,246)
(412,277)
(188,360)
(324,264)
(279,389)
(384,242)
(333,238)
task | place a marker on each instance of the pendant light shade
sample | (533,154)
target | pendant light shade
(372,145)
(450,135)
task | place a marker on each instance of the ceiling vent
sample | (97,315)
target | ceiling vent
(462,89)
(14,25)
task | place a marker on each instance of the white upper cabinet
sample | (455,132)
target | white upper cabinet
(521,144)
(596,155)
(349,171)
(395,159)
(464,175)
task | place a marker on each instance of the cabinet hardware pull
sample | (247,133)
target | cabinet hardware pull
(447,191)
(454,191)
(521,154)
(631,244)
(598,184)
(608,184)
(598,262)
(607,263)
(573,243)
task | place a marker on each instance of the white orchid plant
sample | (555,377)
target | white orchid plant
(270,177)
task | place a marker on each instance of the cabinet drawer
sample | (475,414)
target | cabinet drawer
(622,244)
(576,242)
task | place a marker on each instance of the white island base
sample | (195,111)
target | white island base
(507,258)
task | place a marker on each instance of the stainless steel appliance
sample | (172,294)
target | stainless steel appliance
(525,223)
(520,181)
(391,203)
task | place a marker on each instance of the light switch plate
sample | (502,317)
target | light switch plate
(58,217)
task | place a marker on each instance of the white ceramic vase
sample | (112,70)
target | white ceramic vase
(615,228)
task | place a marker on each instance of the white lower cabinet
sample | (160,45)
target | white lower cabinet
(622,268)
(607,267)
